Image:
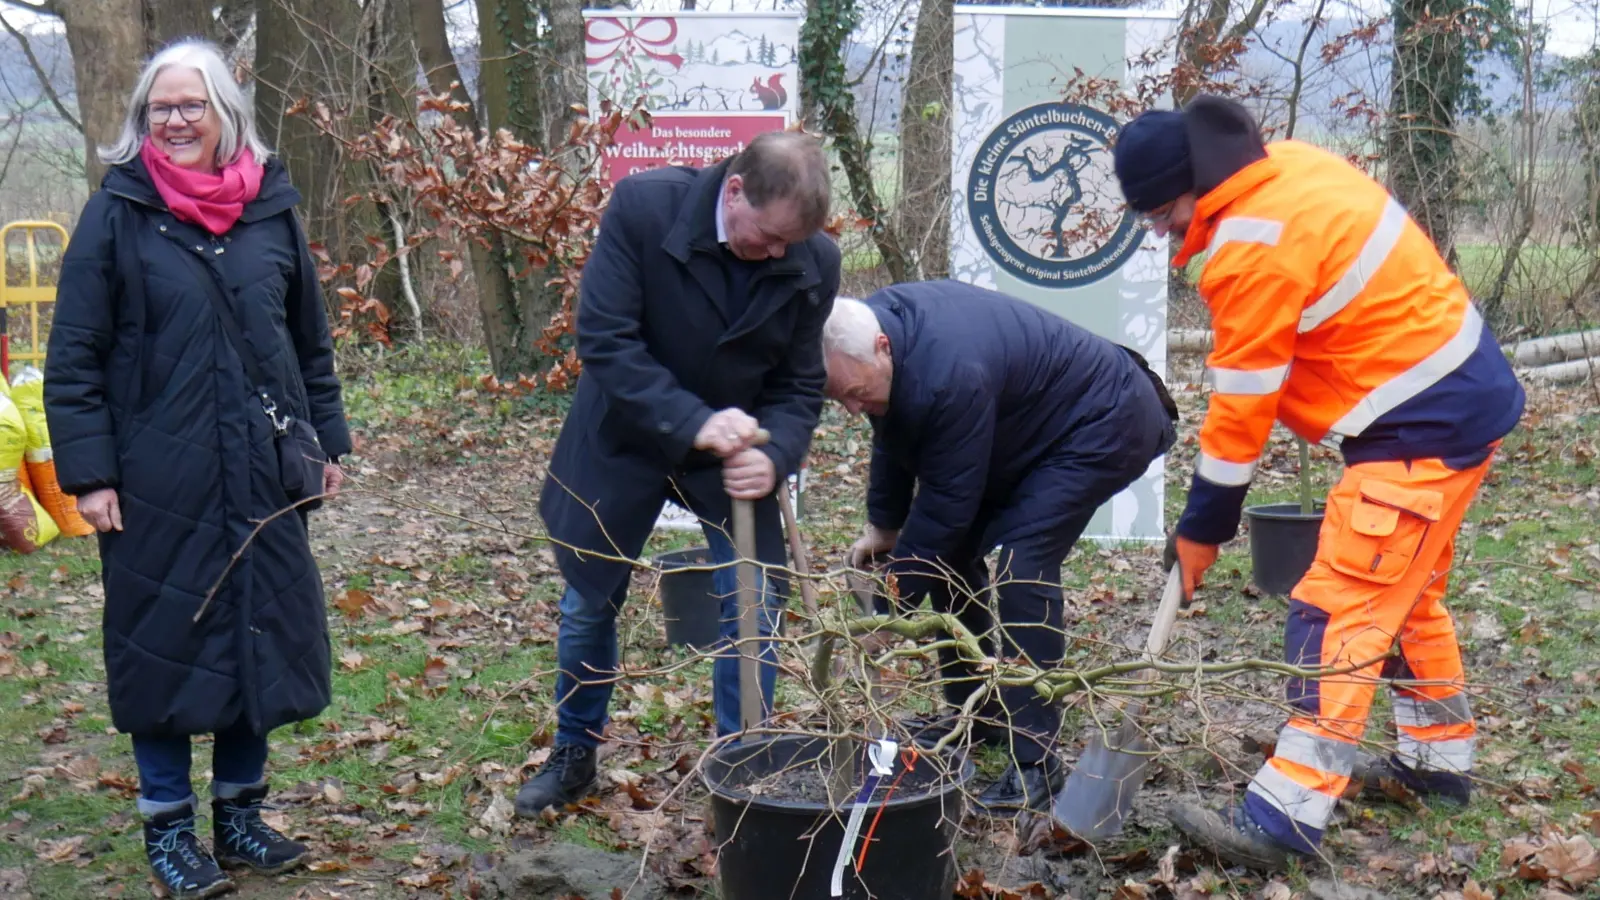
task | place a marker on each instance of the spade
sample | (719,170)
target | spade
(1100,791)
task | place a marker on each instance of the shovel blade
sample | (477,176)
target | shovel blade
(1099,793)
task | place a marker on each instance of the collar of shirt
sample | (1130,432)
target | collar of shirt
(722,231)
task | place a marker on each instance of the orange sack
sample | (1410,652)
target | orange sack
(27,392)
(24,524)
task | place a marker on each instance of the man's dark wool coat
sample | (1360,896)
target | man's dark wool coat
(144,393)
(669,333)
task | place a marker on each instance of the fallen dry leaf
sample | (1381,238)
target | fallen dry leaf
(32,786)
(1167,869)
(1131,890)
(60,851)
(436,672)
(327,865)
(497,818)
(1277,890)
(1470,891)
(353,602)
(1573,861)
(423,879)
(352,660)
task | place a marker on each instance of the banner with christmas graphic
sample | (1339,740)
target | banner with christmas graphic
(711,81)
(1036,212)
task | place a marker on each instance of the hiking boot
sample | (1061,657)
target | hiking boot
(243,839)
(564,778)
(1388,777)
(183,865)
(1030,786)
(1231,834)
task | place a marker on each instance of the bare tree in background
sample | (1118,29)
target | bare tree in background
(110,40)
(924,206)
(1429,80)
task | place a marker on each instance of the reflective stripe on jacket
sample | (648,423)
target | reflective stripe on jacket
(1333,313)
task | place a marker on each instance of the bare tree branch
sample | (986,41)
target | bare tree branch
(38,70)
(11,152)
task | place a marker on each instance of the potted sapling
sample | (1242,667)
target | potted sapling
(824,807)
(1283,536)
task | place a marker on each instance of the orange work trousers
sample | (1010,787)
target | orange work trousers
(1375,588)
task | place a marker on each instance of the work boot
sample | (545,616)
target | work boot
(1387,776)
(1231,834)
(244,840)
(1029,786)
(564,778)
(183,865)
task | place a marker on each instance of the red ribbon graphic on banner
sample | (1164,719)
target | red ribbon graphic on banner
(650,36)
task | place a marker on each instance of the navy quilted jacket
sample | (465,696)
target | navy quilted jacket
(987,388)
(145,394)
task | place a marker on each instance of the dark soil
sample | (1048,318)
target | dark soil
(806,781)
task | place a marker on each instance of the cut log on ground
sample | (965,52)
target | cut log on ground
(1545,351)
(1574,372)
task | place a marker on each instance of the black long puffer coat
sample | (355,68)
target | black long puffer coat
(144,393)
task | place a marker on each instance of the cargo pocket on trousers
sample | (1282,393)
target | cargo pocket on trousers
(1383,530)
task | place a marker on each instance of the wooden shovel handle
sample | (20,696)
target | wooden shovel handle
(797,549)
(1166,614)
(744,543)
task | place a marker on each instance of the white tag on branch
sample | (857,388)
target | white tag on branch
(881,755)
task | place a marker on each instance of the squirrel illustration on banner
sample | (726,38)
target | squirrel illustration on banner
(772,95)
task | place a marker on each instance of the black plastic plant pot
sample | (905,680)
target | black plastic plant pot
(778,840)
(689,601)
(1283,543)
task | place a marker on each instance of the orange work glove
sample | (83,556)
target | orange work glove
(1193,557)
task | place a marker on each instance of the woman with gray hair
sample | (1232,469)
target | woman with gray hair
(191,397)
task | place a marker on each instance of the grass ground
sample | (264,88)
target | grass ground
(442,615)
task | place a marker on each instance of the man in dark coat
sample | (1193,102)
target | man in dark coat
(700,321)
(995,424)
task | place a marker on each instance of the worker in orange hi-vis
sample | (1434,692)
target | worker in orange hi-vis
(1333,313)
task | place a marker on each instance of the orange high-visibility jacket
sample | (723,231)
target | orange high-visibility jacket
(1333,313)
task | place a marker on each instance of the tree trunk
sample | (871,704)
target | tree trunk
(389,84)
(566,83)
(1203,43)
(508,68)
(438,61)
(1429,77)
(524,88)
(925,141)
(107,48)
(827,25)
(166,21)
(497,295)
(295,62)
(288,69)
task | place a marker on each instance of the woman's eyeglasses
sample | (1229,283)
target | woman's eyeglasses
(191,110)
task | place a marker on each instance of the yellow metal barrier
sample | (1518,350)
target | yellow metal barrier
(29,293)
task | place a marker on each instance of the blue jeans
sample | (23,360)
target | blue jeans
(586,650)
(239,759)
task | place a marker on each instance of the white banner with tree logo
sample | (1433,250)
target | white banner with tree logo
(1036,211)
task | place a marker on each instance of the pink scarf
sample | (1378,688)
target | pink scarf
(213,202)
